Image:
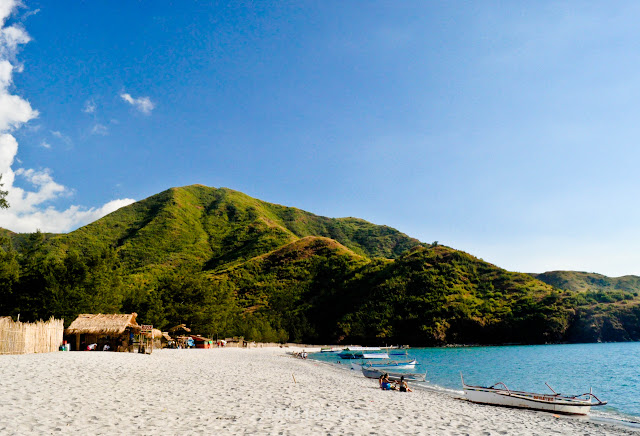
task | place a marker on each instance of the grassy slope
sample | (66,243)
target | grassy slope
(583,282)
(212,228)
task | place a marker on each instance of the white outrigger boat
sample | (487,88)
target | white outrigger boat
(398,364)
(503,396)
(362,353)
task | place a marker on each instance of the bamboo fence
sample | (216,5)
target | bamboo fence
(25,338)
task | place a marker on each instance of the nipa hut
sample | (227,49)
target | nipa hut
(179,335)
(180,329)
(202,342)
(95,331)
(157,338)
(167,341)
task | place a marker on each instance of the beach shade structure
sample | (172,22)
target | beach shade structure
(117,331)
(236,341)
(166,340)
(156,337)
(183,341)
(154,333)
(202,342)
(179,330)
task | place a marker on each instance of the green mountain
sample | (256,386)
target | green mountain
(589,282)
(229,264)
(210,228)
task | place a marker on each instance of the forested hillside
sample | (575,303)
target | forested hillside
(589,282)
(229,264)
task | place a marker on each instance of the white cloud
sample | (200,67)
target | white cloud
(45,144)
(143,104)
(100,129)
(14,111)
(10,38)
(55,221)
(31,209)
(8,150)
(89,107)
(6,9)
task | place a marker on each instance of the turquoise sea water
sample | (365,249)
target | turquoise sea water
(612,370)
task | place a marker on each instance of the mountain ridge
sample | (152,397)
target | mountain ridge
(580,281)
(227,263)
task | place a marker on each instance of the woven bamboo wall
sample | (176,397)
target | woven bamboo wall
(24,338)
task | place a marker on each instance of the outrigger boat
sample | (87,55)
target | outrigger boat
(392,364)
(393,376)
(503,396)
(362,353)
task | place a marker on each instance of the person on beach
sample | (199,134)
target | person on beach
(402,385)
(385,384)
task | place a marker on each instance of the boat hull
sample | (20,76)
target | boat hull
(547,403)
(361,355)
(393,376)
(393,364)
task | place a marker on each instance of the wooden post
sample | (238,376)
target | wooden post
(77,341)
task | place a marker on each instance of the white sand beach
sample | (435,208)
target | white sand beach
(237,391)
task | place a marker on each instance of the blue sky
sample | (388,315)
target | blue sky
(505,129)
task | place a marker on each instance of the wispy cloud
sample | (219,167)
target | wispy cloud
(45,144)
(100,129)
(142,104)
(64,138)
(30,13)
(31,209)
(89,107)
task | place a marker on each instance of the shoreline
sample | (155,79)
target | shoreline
(238,391)
(609,425)
(459,395)
(621,411)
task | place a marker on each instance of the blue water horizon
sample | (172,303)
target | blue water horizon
(610,369)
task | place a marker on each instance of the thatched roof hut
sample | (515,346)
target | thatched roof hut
(180,327)
(103,324)
(154,334)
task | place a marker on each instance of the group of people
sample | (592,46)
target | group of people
(301,355)
(399,385)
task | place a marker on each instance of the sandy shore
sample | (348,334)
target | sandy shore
(230,391)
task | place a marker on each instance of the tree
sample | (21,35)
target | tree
(9,276)
(3,201)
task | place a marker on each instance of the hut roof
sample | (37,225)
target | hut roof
(106,324)
(166,336)
(180,327)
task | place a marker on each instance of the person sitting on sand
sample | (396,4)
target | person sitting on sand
(402,385)
(385,384)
